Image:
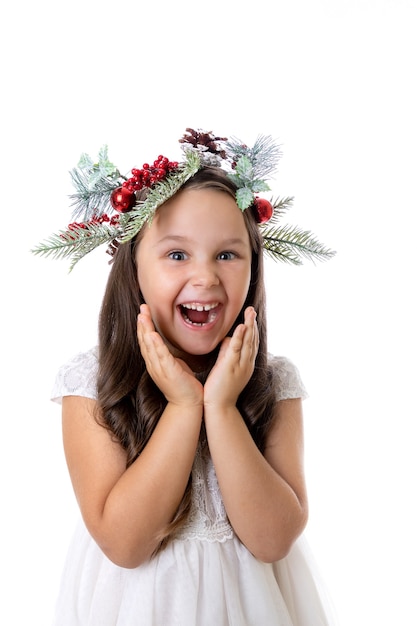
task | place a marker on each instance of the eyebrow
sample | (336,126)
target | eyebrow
(232,241)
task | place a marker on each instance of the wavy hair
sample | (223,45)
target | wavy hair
(130,403)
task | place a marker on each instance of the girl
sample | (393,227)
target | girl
(183,437)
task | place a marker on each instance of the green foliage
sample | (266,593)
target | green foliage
(291,244)
(91,201)
(263,156)
(102,169)
(281,205)
(94,183)
(251,166)
(76,243)
(244,198)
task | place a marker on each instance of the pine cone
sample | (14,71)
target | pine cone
(205,139)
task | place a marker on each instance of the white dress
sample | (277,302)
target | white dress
(205,576)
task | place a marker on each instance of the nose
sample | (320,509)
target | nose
(205,275)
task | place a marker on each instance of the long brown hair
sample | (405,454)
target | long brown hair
(130,403)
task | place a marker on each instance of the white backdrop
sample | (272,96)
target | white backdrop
(334,82)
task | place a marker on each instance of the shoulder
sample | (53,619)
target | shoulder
(77,377)
(287,379)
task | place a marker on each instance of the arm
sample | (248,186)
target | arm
(125,510)
(265,496)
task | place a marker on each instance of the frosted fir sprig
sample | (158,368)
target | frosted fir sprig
(251,166)
(264,155)
(292,244)
(78,240)
(88,201)
(103,168)
(94,182)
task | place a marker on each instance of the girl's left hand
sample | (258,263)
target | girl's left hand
(235,364)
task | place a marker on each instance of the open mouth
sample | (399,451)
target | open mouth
(198,314)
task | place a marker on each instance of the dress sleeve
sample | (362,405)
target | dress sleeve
(288,381)
(78,377)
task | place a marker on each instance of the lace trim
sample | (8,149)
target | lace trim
(78,377)
(207,520)
(288,383)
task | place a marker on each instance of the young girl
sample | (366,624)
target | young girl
(183,436)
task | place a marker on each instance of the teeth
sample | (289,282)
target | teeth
(194,306)
(211,318)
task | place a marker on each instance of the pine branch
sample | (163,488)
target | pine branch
(251,166)
(91,200)
(76,243)
(281,205)
(264,154)
(291,244)
(160,193)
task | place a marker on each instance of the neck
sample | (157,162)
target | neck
(198,363)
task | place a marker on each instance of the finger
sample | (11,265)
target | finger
(250,343)
(150,342)
(223,348)
(249,316)
(231,347)
(145,317)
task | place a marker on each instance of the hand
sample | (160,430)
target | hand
(172,375)
(235,364)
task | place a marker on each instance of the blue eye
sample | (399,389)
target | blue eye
(226,256)
(177,255)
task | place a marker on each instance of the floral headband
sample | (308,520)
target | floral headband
(107,209)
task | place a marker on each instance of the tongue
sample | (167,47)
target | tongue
(197,317)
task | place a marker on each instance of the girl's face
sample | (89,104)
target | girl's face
(194,269)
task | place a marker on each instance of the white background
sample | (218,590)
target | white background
(334,82)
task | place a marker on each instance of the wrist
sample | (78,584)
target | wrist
(188,406)
(220,409)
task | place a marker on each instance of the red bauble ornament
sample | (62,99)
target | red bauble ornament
(264,210)
(123,199)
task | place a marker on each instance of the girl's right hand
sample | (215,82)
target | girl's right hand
(172,375)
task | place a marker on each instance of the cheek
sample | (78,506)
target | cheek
(239,294)
(156,291)
(147,276)
(145,285)
(245,285)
